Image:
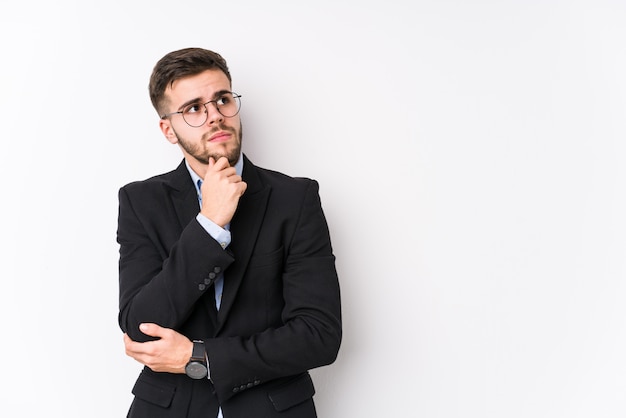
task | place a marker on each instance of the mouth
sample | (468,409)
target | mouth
(220,136)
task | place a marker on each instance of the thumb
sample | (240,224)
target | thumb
(151,329)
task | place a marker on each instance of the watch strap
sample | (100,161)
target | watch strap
(198,353)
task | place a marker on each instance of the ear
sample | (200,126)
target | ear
(166,128)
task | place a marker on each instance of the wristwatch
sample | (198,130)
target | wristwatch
(196,368)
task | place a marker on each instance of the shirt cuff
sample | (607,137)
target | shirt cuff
(219,234)
(208,367)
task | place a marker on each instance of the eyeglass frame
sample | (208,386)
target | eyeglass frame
(236,97)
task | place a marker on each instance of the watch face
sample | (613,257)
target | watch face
(196,370)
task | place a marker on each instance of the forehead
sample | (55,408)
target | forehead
(202,86)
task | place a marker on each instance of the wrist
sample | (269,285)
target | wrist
(196,367)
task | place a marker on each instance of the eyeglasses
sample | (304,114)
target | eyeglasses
(196,114)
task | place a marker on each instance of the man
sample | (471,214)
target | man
(228,287)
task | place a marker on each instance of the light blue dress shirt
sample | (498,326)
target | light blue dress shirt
(221,235)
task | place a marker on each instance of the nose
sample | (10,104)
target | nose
(213,115)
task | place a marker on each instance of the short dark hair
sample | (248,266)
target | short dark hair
(179,64)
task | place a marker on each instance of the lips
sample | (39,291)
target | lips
(219,136)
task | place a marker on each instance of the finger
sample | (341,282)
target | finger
(224,160)
(221,164)
(153,330)
(241,188)
(234,177)
(131,347)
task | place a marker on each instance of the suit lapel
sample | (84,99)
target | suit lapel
(244,229)
(184,196)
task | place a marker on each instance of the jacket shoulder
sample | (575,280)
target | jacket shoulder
(278,179)
(152,183)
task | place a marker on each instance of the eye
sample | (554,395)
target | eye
(224,100)
(193,108)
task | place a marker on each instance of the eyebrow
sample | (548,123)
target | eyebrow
(201,100)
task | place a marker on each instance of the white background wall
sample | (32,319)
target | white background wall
(471,161)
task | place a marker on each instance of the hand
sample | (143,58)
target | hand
(221,190)
(170,353)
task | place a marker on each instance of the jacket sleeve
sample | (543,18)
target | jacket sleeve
(158,284)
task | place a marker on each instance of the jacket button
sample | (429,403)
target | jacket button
(217,269)
(235,390)
(257,382)
(201,287)
(211,275)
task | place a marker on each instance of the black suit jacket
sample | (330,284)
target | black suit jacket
(280,313)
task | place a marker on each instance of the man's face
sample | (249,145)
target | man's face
(218,137)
